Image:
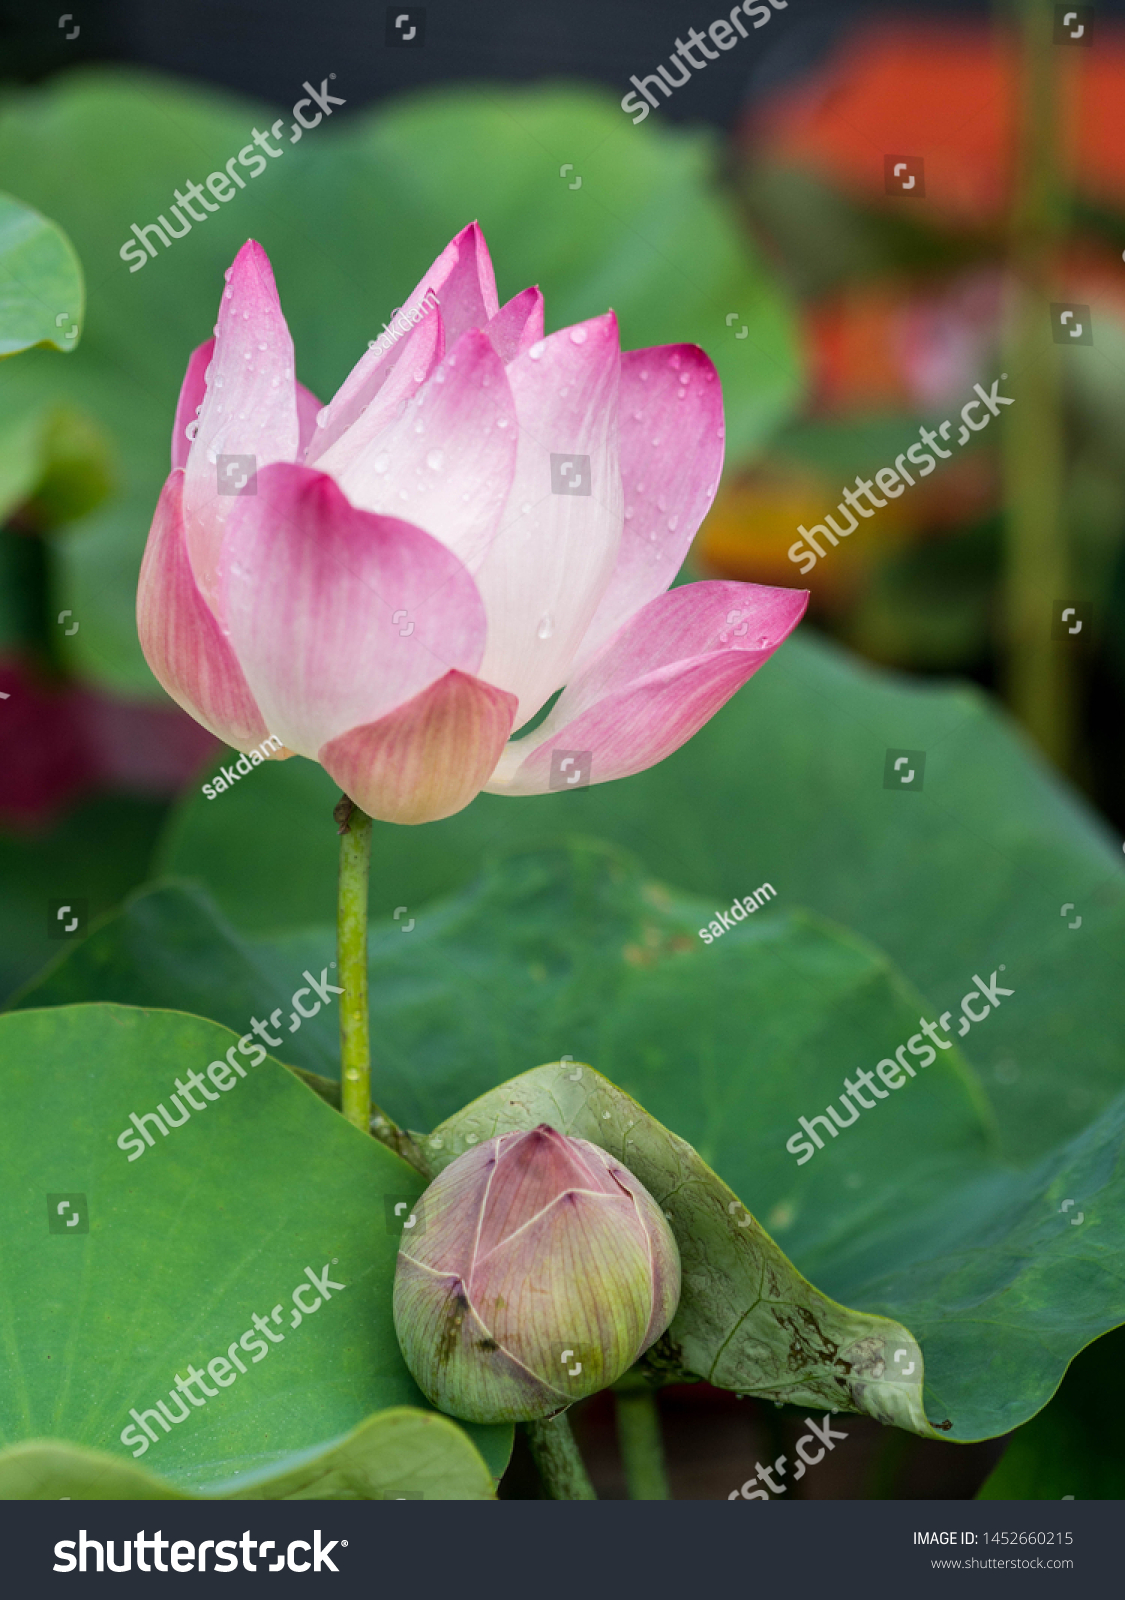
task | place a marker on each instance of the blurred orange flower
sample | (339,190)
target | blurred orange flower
(949,94)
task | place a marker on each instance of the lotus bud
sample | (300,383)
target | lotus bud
(542,1271)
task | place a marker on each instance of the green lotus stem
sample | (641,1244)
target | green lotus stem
(351,958)
(561,1468)
(639,1438)
(1039,678)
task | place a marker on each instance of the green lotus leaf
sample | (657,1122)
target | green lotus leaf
(251,1243)
(914,1212)
(41,294)
(396,1454)
(992,860)
(747,1320)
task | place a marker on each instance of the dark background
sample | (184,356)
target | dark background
(266,47)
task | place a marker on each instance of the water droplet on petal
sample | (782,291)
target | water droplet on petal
(381,462)
(546,626)
(226,275)
(673,524)
(628,513)
(537,350)
(578,336)
(192,429)
(502,422)
(763,641)
(435,460)
(525,508)
(644,377)
(246,316)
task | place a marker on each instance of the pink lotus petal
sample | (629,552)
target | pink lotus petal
(671,434)
(461,279)
(351,421)
(428,758)
(468,295)
(338,616)
(656,682)
(190,403)
(181,640)
(552,558)
(250,407)
(448,460)
(308,409)
(377,386)
(517,325)
(532,1171)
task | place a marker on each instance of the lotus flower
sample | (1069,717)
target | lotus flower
(540,1269)
(480,516)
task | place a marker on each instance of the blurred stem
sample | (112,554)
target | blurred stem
(883,1481)
(351,957)
(1038,669)
(639,1437)
(556,1456)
